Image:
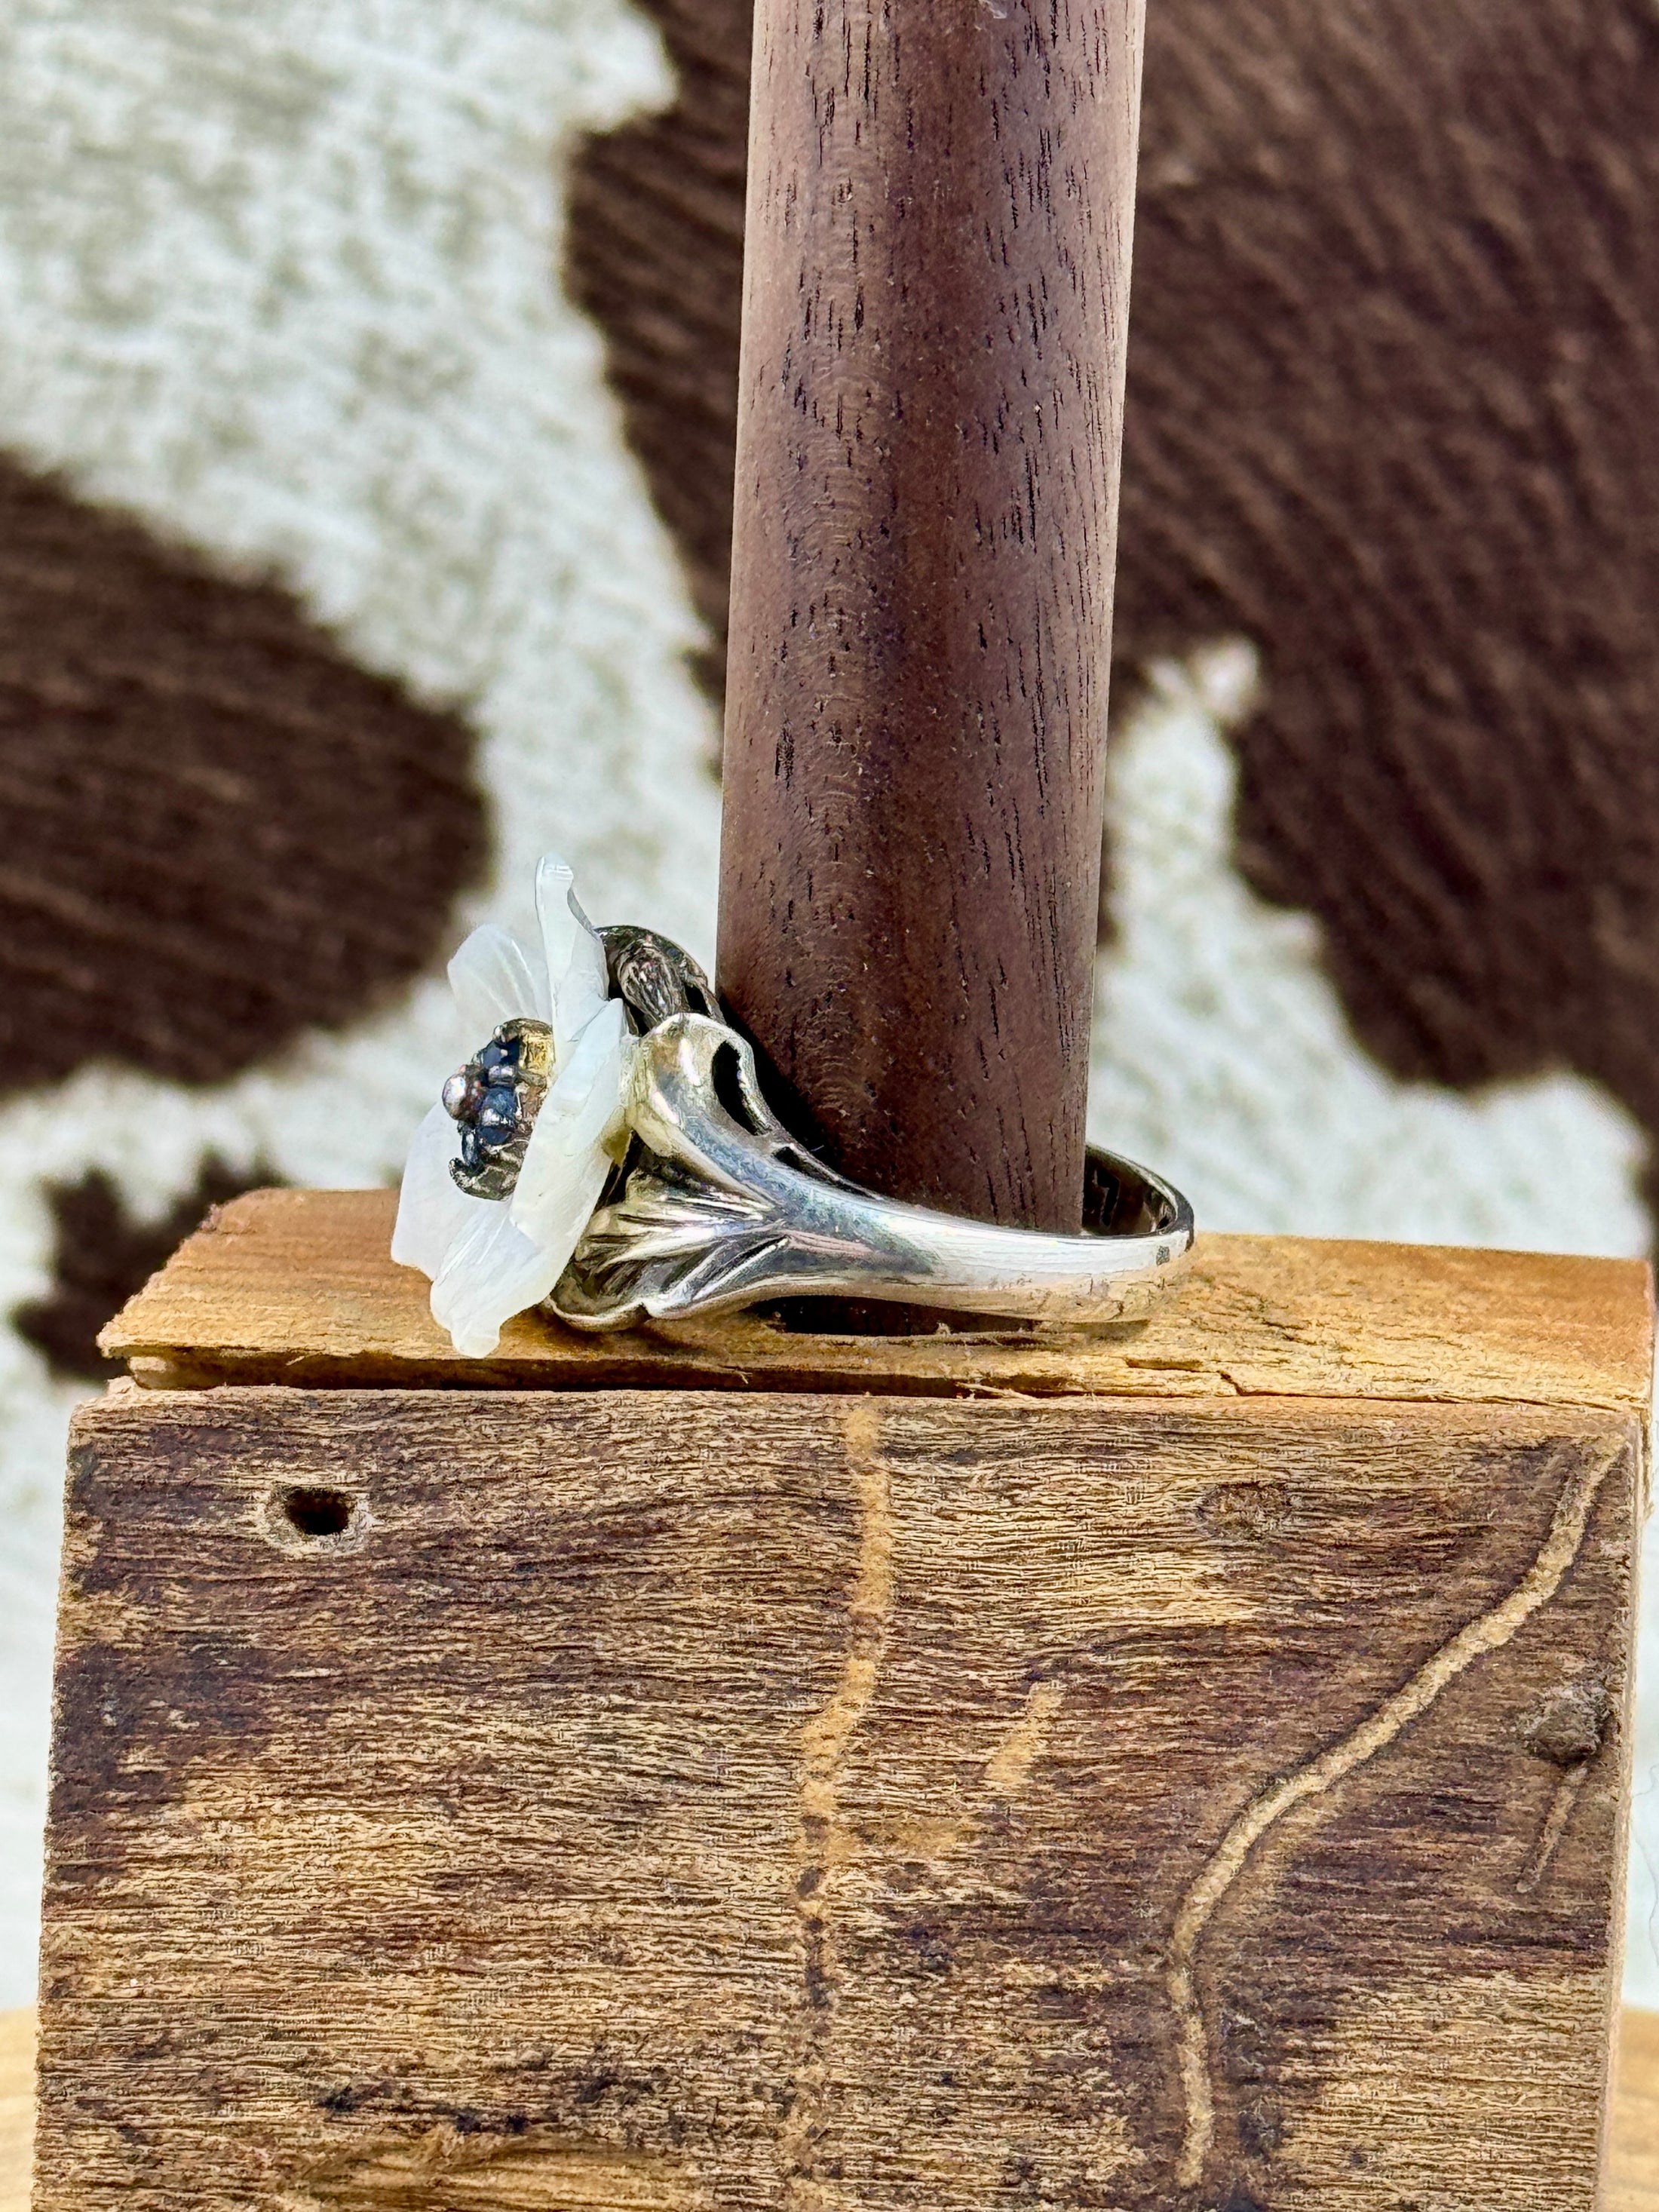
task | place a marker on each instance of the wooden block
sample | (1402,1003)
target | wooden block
(297,1287)
(1632,2177)
(1176,1766)
(1632,2165)
(674,1798)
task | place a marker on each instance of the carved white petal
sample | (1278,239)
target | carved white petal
(432,1209)
(568,1156)
(488,1260)
(496,980)
(491,1271)
(575,957)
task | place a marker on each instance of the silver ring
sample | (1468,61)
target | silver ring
(725,1208)
(618,1163)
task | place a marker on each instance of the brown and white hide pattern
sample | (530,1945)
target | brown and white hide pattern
(366,381)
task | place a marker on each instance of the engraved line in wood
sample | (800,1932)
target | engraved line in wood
(824,1844)
(1488,1633)
(1010,1765)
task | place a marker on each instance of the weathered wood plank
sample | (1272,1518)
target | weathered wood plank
(298,1286)
(1632,2184)
(669,1799)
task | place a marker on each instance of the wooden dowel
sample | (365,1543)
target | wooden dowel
(940,196)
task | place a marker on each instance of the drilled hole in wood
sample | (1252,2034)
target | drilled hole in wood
(314,1514)
(317,1521)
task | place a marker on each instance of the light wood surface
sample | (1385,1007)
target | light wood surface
(298,1286)
(1633,2155)
(16,2108)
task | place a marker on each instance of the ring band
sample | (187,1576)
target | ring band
(724,1208)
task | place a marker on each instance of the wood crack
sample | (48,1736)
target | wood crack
(1566,1797)
(1488,1633)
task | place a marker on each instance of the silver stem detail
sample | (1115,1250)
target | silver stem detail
(726,1208)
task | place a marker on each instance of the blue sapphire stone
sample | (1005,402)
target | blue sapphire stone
(471,1151)
(498,1117)
(495,1056)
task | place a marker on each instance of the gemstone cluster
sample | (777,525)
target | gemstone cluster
(495,1100)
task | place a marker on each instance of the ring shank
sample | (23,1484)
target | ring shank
(725,1208)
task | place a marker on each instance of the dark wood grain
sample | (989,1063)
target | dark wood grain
(675,1800)
(1632,2182)
(929,420)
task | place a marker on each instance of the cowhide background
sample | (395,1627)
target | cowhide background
(366,379)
